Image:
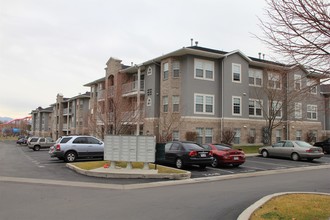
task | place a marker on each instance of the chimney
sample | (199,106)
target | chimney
(263,56)
(259,55)
(191,41)
(196,43)
(131,63)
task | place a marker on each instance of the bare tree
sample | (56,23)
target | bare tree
(280,99)
(299,30)
(228,135)
(168,123)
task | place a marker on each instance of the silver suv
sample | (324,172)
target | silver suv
(69,148)
(36,143)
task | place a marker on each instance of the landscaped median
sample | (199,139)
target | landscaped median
(121,170)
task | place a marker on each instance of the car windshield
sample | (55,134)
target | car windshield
(221,147)
(192,146)
(303,144)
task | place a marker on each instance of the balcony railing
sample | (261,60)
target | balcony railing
(131,88)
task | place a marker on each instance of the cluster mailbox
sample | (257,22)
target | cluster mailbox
(129,148)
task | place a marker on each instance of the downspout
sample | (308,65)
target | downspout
(222,97)
(138,101)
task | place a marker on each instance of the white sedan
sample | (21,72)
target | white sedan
(296,150)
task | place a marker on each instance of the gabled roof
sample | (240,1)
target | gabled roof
(95,82)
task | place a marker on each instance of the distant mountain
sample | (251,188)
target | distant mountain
(5,119)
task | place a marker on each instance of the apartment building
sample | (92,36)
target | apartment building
(196,89)
(41,122)
(66,116)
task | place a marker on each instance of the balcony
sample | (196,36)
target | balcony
(100,95)
(66,111)
(130,89)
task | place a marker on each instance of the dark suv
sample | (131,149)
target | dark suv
(325,145)
(70,148)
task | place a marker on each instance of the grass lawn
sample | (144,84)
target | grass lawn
(251,149)
(295,207)
(135,165)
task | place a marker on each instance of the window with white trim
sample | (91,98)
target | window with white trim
(204,103)
(208,135)
(199,132)
(236,101)
(298,110)
(176,103)
(237,137)
(236,72)
(176,69)
(312,84)
(165,71)
(204,69)
(149,71)
(312,112)
(165,103)
(274,80)
(275,109)
(297,82)
(175,136)
(255,77)
(278,135)
(255,107)
(298,135)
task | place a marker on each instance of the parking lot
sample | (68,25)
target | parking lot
(253,163)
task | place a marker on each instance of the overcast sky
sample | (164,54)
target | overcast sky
(56,46)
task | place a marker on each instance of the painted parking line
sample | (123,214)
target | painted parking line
(218,169)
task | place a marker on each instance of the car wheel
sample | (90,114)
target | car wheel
(36,148)
(265,153)
(70,156)
(215,162)
(179,163)
(295,156)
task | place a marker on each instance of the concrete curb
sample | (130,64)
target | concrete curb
(129,174)
(246,214)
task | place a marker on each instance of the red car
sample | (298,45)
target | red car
(225,155)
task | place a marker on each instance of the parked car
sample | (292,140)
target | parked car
(183,153)
(36,143)
(225,155)
(70,148)
(295,150)
(22,141)
(325,145)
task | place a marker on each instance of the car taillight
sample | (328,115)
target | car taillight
(192,153)
(58,147)
(211,153)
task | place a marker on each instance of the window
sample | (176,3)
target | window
(165,104)
(208,135)
(176,69)
(255,107)
(204,69)
(312,84)
(297,110)
(175,136)
(175,102)
(236,71)
(255,77)
(165,73)
(278,135)
(276,109)
(236,105)
(199,132)
(312,112)
(237,137)
(274,81)
(297,82)
(298,135)
(204,104)
(149,71)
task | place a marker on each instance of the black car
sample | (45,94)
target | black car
(325,145)
(22,141)
(181,154)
